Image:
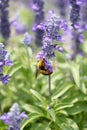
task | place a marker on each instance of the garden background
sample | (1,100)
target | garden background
(56,101)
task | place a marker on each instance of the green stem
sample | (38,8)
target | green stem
(27,53)
(49,80)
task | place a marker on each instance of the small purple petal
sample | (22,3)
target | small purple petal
(40,55)
(4,118)
(1,63)
(23,115)
(5,79)
(35,7)
(40,26)
(9,63)
(59,48)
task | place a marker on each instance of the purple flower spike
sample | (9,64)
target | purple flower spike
(38,8)
(4,21)
(5,60)
(14,117)
(19,28)
(27,40)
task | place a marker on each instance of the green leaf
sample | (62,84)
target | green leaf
(32,109)
(32,117)
(66,123)
(83,88)
(52,114)
(61,106)
(61,90)
(12,70)
(39,97)
(77,108)
(75,73)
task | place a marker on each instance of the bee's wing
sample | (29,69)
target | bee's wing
(37,72)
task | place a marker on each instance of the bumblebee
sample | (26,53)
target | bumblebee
(42,68)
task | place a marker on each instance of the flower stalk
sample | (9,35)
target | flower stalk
(49,83)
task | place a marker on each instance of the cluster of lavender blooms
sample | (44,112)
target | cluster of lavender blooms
(4,21)
(51,27)
(75,12)
(5,60)
(77,27)
(14,117)
(84,15)
(38,8)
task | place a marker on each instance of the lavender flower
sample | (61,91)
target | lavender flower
(5,60)
(48,48)
(5,25)
(14,117)
(5,79)
(19,28)
(51,27)
(77,40)
(84,15)
(59,48)
(38,8)
(75,14)
(27,40)
(77,31)
(79,2)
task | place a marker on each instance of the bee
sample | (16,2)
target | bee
(42,68)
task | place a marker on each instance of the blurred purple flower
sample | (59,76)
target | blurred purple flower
(84,15)
(38,8)
(4,16)
(27,40)
(77,27)
(14,117)
(80,2)
(19,28)
(5,60)
(5,79)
